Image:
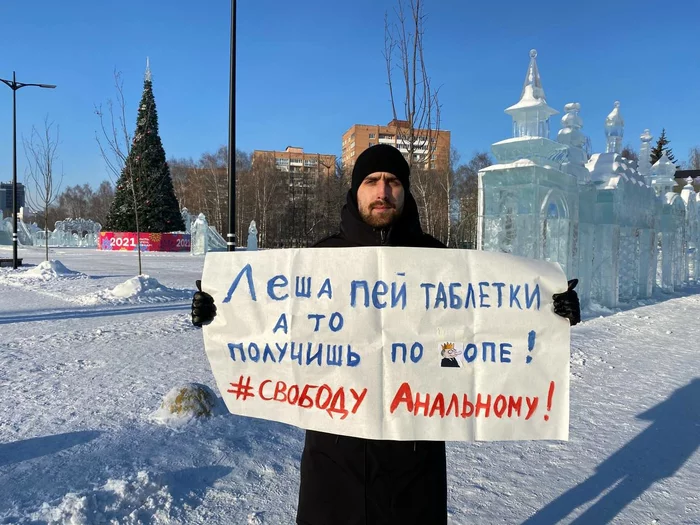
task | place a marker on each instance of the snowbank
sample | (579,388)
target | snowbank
(142,499)
(139,289)
(46,271)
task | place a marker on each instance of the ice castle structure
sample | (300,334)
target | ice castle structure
(613,223)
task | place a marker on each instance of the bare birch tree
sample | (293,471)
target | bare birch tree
(182,172)
(403,45)
(290,208)
(410,87)
(115,142)
(269,196)
(446,181)
(466,199)
(41,153)
(694,158)
(215,188)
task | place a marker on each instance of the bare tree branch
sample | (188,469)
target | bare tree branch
(417,133)
(389,47)
(115,145)
(41,153)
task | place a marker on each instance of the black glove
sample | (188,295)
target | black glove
(566,304)
(203,307)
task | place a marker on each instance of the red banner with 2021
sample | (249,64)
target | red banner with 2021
(151,242)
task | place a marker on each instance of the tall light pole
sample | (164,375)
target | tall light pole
(231,236)
(14,86)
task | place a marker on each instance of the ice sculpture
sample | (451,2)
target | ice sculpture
(69,232)
(252,237)
(571,135)
(527,203)
(624,223)
(614,130)
(691,200)
(199,231)
(25,231)
(187,219)
(205,237)
(614,223)
(644,167)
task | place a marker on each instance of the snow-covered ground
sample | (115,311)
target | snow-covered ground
(87,353)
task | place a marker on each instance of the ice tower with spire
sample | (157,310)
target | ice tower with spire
(531,113)
(615,223)
(614,130)
(529,204)
(624,221)
(644,164)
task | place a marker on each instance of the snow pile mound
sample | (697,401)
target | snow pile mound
(129,502)
(139,289)
(48,270)
(186,403)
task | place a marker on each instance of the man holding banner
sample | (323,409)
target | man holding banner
(347,479)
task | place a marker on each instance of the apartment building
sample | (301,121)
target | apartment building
(431,148)
(297,163)
(6,198)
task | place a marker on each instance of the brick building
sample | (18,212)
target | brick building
(362,136)
(297,163)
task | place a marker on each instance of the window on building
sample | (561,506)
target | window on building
(282,162)
(371,135)
(432,165)
(310,162)
(296,161)
(370,144)
(386,136)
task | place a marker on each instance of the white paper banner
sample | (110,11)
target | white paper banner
(391,343)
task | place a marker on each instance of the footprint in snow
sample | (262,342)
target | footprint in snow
(256,518)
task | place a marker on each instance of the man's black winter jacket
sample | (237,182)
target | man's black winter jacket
(353,481)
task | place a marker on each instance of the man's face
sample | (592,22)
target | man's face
(380,199)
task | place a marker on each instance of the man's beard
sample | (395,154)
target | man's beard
(386,218)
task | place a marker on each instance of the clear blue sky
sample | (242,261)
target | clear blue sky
(307,70)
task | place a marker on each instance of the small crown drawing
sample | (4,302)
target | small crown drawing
(448,346)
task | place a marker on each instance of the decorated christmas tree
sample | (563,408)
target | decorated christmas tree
(145,190)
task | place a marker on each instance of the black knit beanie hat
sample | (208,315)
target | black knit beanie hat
(381,157)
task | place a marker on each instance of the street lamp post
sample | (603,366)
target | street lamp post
(14,86)
(231,236)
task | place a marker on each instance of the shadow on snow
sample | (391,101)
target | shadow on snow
(656,453)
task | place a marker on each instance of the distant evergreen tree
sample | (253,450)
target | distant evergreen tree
(661,146)
(146,168)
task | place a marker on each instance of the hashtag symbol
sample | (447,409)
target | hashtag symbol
(242,389)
